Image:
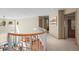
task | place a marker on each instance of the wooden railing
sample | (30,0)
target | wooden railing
(31,34)
(36,41)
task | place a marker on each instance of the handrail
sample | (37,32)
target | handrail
(24,39)
(31,34)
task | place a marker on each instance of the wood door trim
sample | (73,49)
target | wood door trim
(70,13)
(75,25)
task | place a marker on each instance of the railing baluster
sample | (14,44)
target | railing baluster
(17,40)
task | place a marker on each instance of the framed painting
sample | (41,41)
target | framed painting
(54,20)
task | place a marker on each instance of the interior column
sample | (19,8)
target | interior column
(61,24)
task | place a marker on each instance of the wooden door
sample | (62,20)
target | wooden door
(71,30)
(40,21)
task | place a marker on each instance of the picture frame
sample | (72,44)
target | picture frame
(54,20)
(3,23)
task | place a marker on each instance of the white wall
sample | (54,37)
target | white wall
(27,24)
(53,28)
(5,29)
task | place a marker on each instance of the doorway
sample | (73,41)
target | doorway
(70,25)
(44,22)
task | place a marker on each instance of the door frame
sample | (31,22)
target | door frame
(43,22)
(75,25)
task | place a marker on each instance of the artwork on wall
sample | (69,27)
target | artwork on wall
(17,22)
(54,20)
(13,22)
(10,22)
(3,23)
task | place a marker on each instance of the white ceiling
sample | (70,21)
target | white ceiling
(23,12)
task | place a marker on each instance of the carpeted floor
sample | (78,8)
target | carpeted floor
(61,45)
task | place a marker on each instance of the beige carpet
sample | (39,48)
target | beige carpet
(54,44)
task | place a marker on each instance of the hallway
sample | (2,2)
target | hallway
(61,45)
